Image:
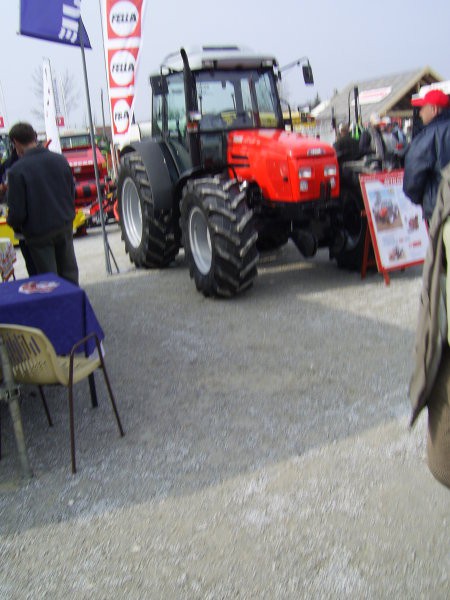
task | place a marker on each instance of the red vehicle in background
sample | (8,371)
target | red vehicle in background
(77,148)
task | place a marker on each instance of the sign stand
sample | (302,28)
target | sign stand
(369,259)
(396,236)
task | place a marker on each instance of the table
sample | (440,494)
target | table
(7,259)
(63,312)
(58,307)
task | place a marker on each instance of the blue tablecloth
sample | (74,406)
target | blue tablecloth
(57,307)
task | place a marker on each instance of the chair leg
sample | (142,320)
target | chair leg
(44,402)
(111,397)
(93,391)
(72,428)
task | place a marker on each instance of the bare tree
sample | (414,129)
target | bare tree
(69,91)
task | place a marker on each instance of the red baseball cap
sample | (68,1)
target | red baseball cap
(435,97)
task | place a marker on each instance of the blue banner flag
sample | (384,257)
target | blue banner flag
(54,21)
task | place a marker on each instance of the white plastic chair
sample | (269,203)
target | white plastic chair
(34,361)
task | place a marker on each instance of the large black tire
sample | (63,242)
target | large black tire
(350,254)
(219,236)
(150,240)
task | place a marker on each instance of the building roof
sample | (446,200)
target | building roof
(386,95)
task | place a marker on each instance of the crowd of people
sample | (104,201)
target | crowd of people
(383,140)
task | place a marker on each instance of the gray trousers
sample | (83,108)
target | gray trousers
(55,253)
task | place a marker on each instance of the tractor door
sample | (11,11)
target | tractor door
(169,117)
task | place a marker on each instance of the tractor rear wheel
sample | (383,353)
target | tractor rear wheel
(219,236)
(150,240)
(350,255)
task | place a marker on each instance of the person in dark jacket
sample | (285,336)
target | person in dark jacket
(41,204)
(347,148)
(429,151)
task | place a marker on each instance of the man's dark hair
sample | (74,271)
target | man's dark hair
(22,133)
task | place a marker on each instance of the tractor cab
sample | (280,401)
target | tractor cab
(201,96)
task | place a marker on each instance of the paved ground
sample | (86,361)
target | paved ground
(267,453)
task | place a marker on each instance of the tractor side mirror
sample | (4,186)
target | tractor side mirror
(308,74)
(159,85)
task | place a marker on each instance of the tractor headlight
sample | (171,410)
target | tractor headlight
(304,185)
(305,173)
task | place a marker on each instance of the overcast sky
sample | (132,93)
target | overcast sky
(345,40)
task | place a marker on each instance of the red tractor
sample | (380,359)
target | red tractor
(77,148)
(221,175)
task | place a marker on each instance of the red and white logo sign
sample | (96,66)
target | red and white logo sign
(373,96)
(122,67)
(122,27)
(124,19)
(121,112)
(2,122)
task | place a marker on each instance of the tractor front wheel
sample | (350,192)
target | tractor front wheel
(150,239)
(219,236)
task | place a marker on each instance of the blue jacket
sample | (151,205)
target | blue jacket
(427,155)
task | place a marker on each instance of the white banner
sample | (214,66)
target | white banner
(122,34)
(51,127)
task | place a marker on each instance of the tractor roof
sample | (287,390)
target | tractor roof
(219,57)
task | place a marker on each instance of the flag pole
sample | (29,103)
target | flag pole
(107,247)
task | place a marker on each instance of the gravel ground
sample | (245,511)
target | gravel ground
(266,455)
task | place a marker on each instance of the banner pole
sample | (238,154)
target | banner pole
(94,154)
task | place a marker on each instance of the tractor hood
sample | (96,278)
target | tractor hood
(283,143)
(286,166)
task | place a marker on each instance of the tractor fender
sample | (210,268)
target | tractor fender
(158,173)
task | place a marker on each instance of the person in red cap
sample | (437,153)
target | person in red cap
(429,152)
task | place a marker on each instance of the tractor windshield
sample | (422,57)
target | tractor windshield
(237,99)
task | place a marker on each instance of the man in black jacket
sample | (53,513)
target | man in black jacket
(429,152)
(347,148)
(41,204)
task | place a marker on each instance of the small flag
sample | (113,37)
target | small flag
(54,21)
